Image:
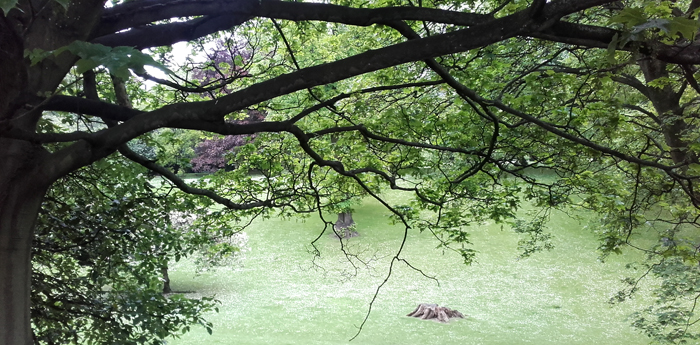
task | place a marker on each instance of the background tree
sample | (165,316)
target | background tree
(604,97)
(215,153)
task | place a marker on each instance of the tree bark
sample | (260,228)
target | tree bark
(166,279)
(21,193)
(345,225)
(25,175)
(16,226)
(666,102)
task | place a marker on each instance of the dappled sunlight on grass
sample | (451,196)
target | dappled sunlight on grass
(281,294)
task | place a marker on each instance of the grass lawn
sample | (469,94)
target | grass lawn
(280,295)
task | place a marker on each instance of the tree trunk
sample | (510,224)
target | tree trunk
(670,116)
(16,226)
(345,225)
(166,279)
(26,172)
(20,200)
(666,102)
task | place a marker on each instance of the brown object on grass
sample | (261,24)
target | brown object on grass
(430,311)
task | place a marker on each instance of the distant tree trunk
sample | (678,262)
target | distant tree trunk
(166,279)
(345,225)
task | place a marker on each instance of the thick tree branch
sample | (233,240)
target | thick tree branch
(365,16)
(140,13)
(134,14)
(600,37)
(142,36)
(220,15)
(578,34)
(166,34)
(8,131)
(91,107)
(209,115)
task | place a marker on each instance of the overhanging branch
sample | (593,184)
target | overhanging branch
(143,37)
(91,107)
(209,115)
(183,186)
(140,13)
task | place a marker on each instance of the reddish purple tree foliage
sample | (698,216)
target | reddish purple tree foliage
(226,63)
(211,153)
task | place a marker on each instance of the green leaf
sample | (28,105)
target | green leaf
(630,17)
(695,147)
(36,55)
(7,5)
(687,28)
(612,48)
(661,24)
(694,168)
(121,72)
(117,60)
(84,65)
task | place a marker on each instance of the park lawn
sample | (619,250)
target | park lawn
(280,294)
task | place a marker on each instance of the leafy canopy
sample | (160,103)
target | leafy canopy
(475,108)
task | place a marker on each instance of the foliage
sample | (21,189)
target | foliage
(101,239)
(215,153)
(672,316)
(226,248)
(118,60)
(175,149)
(225,63)
(464,104)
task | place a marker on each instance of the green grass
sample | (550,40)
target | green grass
(280,295)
